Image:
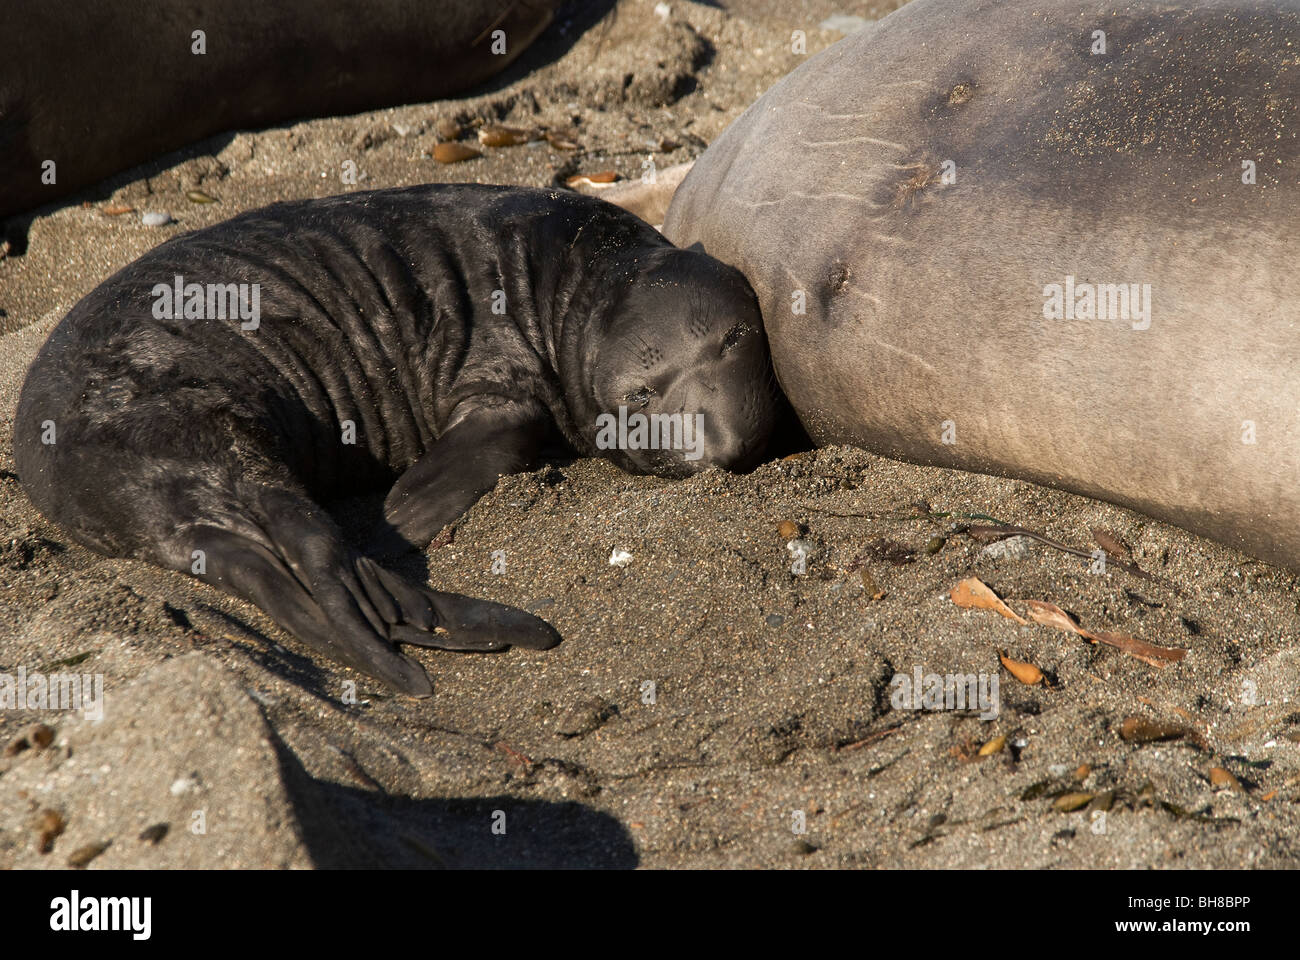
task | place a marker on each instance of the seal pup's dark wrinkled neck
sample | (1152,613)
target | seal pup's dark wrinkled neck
(592,254)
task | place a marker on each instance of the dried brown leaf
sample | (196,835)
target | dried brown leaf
(602,177)
(495,135)
(974,594)
(1141,730)
(1146,652)
(1113,546)
(561,143)
(453,152)
(1053,616)
(1220,777)
(1026,673)
(1068,802)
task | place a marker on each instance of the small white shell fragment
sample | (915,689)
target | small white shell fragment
(155,219)
(619,558)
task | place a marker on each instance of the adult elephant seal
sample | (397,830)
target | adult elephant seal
(1044,239)
(95,88)
(193,409)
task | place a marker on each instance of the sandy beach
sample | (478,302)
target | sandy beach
(715,703)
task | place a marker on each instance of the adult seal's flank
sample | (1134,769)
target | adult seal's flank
(195,409)
(1046,239)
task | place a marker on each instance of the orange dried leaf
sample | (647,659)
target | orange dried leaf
(495,135)
(1220,777)
(1026,673)
(1070,802)
(453,152)
(974,594)
(599,181)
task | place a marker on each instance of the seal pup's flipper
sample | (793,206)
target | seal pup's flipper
(457,622)
(328,609)
(346,605)
(459,467)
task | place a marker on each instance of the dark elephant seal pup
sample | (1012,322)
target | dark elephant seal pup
(195,408)
(1046,239)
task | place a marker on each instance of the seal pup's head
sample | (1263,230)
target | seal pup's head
(682,380)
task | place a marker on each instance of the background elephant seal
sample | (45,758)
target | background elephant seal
(193,409)
(99,87)
(1044,239)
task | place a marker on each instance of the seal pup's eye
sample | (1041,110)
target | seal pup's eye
(734,336)
(641,397)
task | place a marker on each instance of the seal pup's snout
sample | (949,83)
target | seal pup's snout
(707,412)
(685,382)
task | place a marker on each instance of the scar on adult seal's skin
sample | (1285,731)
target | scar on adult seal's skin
(456,329)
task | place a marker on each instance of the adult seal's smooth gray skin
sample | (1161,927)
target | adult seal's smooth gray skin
(451,330)
(1046,239)
(99,87)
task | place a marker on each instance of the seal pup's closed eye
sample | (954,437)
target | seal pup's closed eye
(195,409)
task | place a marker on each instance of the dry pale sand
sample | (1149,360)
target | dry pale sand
(706,699)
